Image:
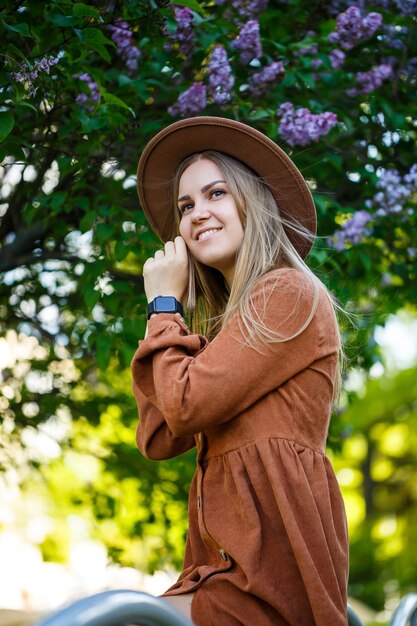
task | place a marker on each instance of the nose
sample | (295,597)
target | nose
(200,211)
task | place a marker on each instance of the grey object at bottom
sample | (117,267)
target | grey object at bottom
(117,608)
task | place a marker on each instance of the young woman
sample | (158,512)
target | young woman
(249,380)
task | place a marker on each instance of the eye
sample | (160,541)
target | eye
(185,207)
(217,193)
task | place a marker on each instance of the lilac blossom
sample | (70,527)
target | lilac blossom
(299,127)
(371,80)
(260,82)
(407,7)
(352,231)
(94,94)
(247,9)
(122,37)
(393,192)
(248,42)
(337,58)
(351,28)
(311,48)
(394,35)
(28,75)
(221,79)
(184,33)
(337,6)
(190,102)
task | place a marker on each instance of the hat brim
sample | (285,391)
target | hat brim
(164,153)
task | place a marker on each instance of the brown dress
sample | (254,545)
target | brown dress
(267,541)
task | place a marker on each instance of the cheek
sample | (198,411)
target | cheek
(184,230)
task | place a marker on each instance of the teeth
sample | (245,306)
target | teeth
(208,232)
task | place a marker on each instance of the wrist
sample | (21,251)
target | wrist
(164,304)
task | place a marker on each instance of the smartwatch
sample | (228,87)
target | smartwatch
(164,304)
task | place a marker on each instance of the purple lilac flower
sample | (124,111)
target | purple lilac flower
(260,82)
(122,37)
(248,42)
(393,191)
(299,127)
(247,9)
(337,58)
(190,102)
(352,231)
(394,35)
(221,79)
(94,94)
(337,6)
(409,72)
(184,33)
(351,28)
(28,75)
(407,7)
(369,81)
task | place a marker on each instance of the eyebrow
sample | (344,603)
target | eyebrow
(203,189)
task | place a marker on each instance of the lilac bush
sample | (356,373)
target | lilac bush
(248,42)
(126,48)
(299,127)
(352,231)
(247,9)
(221,79)
(407,7)
(94,94)
(184,34)
(371,80)
(337,58)
(392,198)
(394,192)
(260,82)
(352,28)
(190,102)
(27,75)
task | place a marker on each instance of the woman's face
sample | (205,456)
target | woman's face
(209,220)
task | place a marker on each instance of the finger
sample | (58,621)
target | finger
(169,248)
(159,254)
(180,247)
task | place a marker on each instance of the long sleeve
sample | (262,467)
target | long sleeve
(153,437)
(196,385)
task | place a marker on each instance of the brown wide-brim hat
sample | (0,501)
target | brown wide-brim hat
(166,151)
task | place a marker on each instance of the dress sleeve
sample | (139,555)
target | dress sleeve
(196,385)
(153,437)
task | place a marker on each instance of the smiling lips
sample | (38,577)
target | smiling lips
(206,233)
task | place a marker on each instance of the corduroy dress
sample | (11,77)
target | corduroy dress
(267,541)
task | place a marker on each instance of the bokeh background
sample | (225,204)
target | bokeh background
(83,86)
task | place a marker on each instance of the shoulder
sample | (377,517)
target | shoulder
(291,298)
(286,280)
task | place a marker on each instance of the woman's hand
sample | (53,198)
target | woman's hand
(166,273)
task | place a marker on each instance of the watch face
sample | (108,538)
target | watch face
(165,304)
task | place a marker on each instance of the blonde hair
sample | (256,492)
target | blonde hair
(265,247)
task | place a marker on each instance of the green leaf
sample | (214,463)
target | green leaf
(22,29)
(111,99)
(64,21)
(104,232)
(6,124)
(84,10)
(91,297)
(101,50)
(97,35)
(191,4)
(103,350)
(14,50)
(26,105)
(120,250)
